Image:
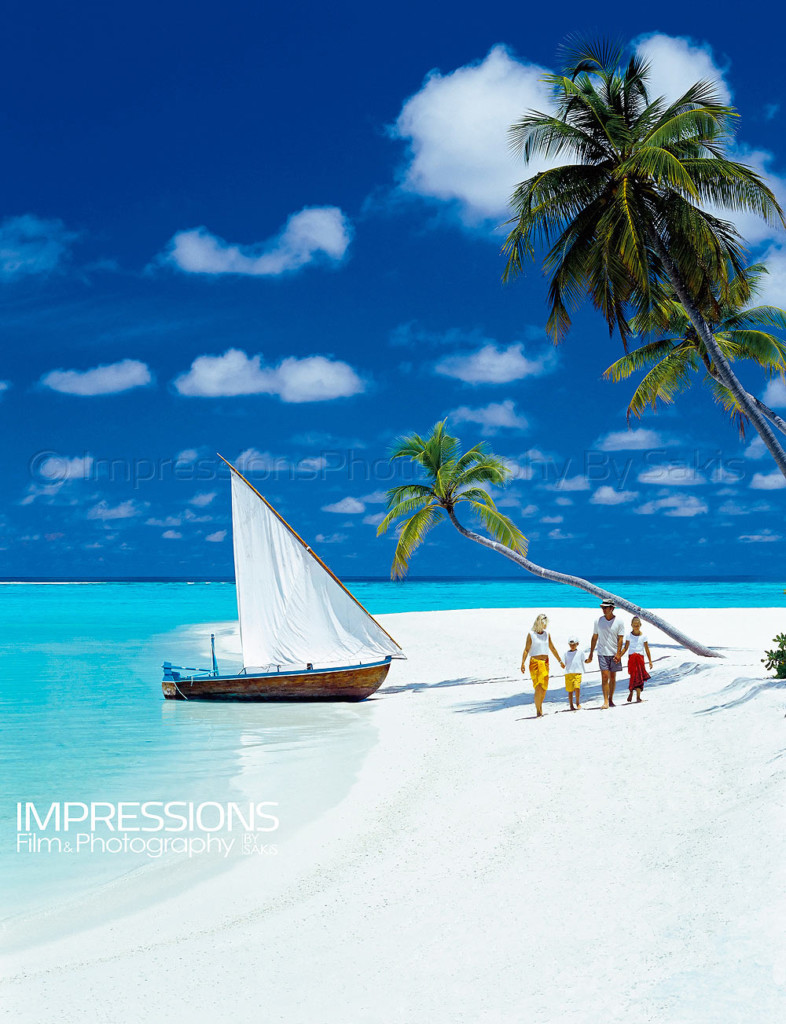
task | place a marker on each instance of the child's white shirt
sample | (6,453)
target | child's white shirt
(574,662)
(636,643)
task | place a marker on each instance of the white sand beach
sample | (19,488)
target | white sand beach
(486,867)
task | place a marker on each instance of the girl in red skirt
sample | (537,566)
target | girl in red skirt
(636,645)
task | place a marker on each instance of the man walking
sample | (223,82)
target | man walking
(608,636)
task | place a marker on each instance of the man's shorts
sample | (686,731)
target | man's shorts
(539,672)
(609,663)
(572,681)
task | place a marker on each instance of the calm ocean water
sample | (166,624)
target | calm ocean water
(82,716)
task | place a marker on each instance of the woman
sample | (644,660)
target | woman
(538,646)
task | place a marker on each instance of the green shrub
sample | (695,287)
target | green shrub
(776,660)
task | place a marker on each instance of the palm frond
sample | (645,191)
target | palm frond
(412,535)
(726,400)
(404,507)
(499,526)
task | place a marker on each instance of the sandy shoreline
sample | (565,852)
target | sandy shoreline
(615,866)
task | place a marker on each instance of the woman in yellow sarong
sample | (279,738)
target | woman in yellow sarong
(539,643)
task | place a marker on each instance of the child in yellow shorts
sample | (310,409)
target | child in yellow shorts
(574,661)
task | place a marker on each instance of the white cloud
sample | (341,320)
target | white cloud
(346,505)
(752,227)
(313,233)
(217,537)
(765,537)
(253,461)
(772,288)
(187,456)
(570,483)
(553,519)
(724,475)
(734,508)
(557,534)
(169,521)
(125,510)
(48,492)
(757,449)
(375,519)
(630,440)
(610,496)
(678,63)
(59,471)
(673,474)
(4,386)
(32,245)
(679,505)
(200,500)
(456,128)
(492,364)
(311,379)
(109,379)
(60,468)
(492,418)
(331,538)
(192,517)
(775,393)
(172,535)
(376,498)
(250,460)
(768,481)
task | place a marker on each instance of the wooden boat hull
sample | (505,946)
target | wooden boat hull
(350,684)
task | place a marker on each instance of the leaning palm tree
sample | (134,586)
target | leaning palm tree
(628,214)
(672,362)
(454,478)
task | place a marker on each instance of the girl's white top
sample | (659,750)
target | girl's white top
(540,643)
(636,643)
(574,662)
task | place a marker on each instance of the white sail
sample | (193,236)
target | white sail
(292,611)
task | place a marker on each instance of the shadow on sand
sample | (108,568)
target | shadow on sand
(589,691)
(751,687)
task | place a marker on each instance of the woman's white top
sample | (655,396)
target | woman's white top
(636,643)
(540,643)
(574,662)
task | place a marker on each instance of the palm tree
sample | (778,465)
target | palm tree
(741,331)
(627,218)
(452,478)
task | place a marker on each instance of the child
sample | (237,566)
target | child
(637,646)
(574,659)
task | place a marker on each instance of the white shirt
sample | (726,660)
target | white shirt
(636,643)
(540,643)
(608,631)
(574,662)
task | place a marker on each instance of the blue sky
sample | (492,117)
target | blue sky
(275,234)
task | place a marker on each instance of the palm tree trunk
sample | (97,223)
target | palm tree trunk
(725,373)
(772,416)
(577,581)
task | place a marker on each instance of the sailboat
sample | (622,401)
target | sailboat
(304,635)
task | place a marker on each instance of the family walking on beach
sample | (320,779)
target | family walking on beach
(611,643)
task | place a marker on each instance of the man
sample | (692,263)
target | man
(608,636)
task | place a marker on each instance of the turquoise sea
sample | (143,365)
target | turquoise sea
(82,717)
